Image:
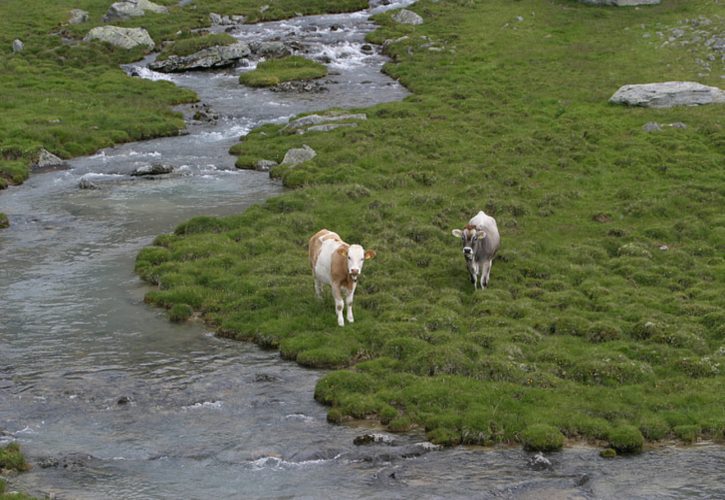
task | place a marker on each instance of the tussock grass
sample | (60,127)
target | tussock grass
(604,316)
(285,69)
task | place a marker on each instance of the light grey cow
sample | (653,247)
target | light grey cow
(480,243)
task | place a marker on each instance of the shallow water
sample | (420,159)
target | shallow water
(110,400)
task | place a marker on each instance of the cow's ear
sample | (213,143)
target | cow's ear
(342,251)
(457,233)
(370,254)
(481,234)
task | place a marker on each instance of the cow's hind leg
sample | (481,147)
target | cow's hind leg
(339,304)
(318,288)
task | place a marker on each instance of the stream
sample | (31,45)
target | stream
(108,399)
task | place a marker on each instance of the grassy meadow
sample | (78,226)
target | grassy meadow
(605,316)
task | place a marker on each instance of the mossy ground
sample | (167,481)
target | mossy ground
(285,69)
(606,304)
(72,98)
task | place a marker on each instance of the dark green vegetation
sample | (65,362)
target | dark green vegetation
(188,46)
(285,69)
(72,98)
(605,318)
(542,437)
(12,459)
(4,222)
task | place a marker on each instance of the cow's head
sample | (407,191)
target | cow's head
(356,257)
(469,236)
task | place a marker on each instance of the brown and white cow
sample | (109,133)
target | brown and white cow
(339,265)
(480,243)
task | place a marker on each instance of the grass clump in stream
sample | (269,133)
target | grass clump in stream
(603,317)
(275,71)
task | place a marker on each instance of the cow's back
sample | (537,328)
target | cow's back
(315,244)
(489,245)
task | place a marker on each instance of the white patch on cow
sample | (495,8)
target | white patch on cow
(355,261)
(323,269)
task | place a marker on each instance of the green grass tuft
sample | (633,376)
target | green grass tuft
(626,439)
(275,71)
(542,437)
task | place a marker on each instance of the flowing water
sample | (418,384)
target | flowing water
(110,400)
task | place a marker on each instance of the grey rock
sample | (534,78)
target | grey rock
(269,49)
(405,16)
(132,8)
(539,462)
(621,3)
(651,127)
(46,159)
(155,169)
(221,20)
(678,125)
(327,128)
(125,38)
(667,94)
(218,56)
(299,86)
(296,156)
(310,120)
(86,183)
(374,438)
(78,16)
(264,165)
(18,45)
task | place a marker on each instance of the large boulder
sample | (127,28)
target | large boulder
(621,3)
(273,49)
(322,123)
(125,38)
(296,156)
(132,8)
(405,16)
(667,94)
(218,56)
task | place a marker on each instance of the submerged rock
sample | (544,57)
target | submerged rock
(218,56)
(539,462)
(125,38)
(667,94)
(155,169)
(405,16)
(373,438)
(296,156)
(86,183)
(299,86)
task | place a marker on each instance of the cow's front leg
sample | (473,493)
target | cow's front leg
(348,301)
(339,304)
(472,272)
(485,273)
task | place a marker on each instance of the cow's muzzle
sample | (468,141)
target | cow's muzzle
(468,252)
(354,274)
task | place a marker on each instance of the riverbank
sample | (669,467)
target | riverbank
(70,97)
(604,315)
